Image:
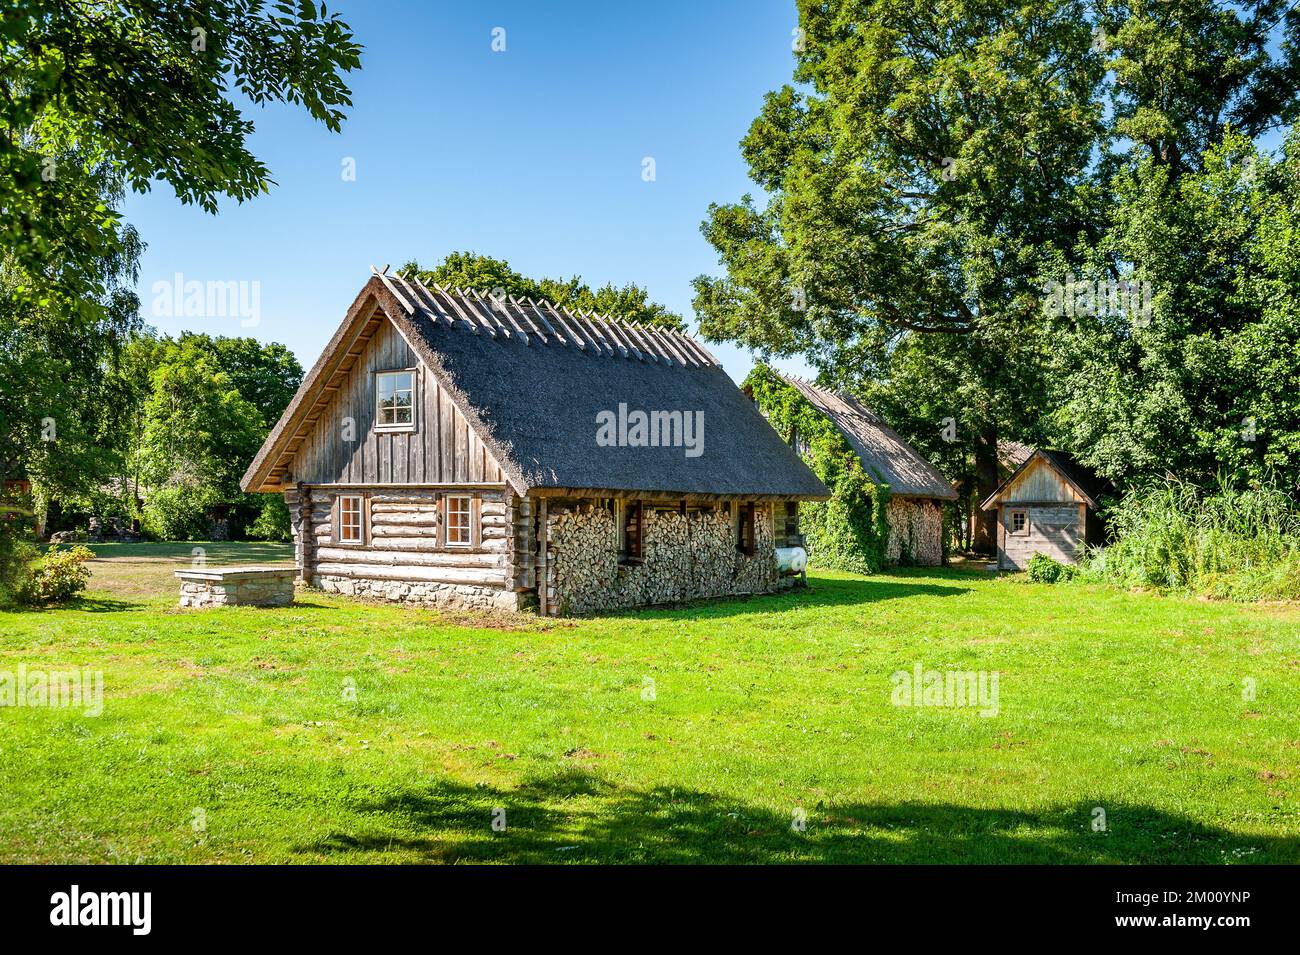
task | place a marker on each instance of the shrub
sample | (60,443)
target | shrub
(1044,570)
(1230,543)
(56,577)
(272,522)
(179,512)
(17,555)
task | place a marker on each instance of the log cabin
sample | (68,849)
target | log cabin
(1048,505)
(452,448)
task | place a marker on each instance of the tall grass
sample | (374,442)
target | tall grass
(1224,542)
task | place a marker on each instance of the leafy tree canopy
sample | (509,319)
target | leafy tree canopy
(486,274)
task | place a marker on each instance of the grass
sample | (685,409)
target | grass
(232,735)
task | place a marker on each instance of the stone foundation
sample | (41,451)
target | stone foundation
(421,594)
(683,558)
(237,587)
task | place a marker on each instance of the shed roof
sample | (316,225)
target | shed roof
(531,378)
(882,450)
(1091,486)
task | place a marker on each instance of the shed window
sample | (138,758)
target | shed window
(460,520)
(1019,522)
(395,399)
(745,537)
(352,519)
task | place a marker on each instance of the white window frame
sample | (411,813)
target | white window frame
(1011,522)
(468,542)
(342,524)
(380,425)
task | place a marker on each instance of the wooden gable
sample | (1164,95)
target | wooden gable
(337,442)
(1040,483)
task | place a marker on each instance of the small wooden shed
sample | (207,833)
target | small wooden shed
(1047,506)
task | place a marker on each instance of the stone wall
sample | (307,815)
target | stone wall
(236,587)
(684,557)
(915,531)
(454,596)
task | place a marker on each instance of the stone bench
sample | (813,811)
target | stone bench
(237,586)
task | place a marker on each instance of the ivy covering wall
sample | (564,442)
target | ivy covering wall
(851,530)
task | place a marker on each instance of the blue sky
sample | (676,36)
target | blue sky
(533,154)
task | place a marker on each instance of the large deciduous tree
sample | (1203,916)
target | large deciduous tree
(932,165)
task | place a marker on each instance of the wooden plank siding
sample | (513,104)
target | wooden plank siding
(442,449)
(1056,518)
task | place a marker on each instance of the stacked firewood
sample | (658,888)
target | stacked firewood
(684,557)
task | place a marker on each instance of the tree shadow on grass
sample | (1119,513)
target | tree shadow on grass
(85,604)
(821,592)
(577,817)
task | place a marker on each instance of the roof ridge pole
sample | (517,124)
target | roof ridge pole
(503,305)
(667,342)
(648,343)
(532,325)
(478,299)
(467,302)
(419,293)
(704,353)
(684,342)
(392,290)
(541,317)
(602,346)
(455,305)
(439,310)
(618,331)
(596,330)
(610,332)
(575,337)
(439,295)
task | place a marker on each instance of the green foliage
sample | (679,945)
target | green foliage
(143,89)
(1227,543)
(851,530)
(57,577)
(272,523)
(180,511)
(1209,381)
(1044,570)
(486,274)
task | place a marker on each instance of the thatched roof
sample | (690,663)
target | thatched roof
(884,454)
(531,378)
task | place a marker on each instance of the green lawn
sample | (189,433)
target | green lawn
(241,719)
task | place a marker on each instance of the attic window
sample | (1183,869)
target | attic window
(395,400)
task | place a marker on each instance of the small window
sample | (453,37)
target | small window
(352,519)
(395,399)
(460,521)
(1019,522)
(745,537)
(632,531)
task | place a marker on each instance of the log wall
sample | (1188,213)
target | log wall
(403,558)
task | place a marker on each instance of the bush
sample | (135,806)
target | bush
(17,554)
(272,522)
(179,512)
(1228,543)
(1042,569)
(56,577)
